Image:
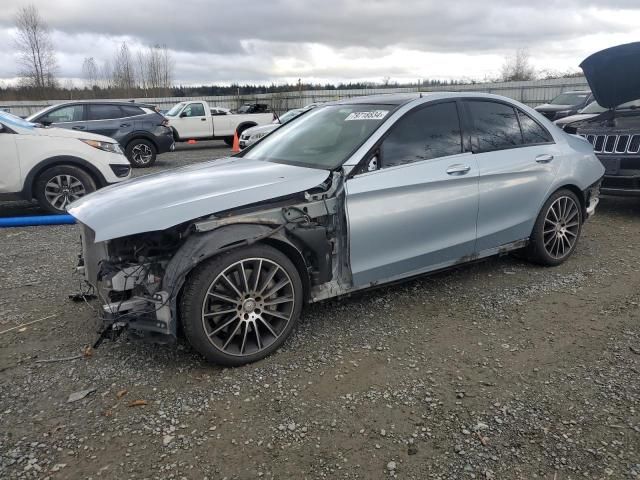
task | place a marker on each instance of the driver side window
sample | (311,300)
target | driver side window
(70,113)
(430,132)
(194,110)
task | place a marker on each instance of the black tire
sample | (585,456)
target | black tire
(141,153)
(546,234)
(229,141)
(61,180)
(222,326)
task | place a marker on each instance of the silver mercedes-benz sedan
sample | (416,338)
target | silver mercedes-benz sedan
(351,195)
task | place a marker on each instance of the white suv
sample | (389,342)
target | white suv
(53,165)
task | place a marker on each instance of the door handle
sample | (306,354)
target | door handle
(458,169)
(203,119)
(78,127)
(125,125)
(544,158)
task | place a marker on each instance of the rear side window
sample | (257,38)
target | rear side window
(494,126)
(130,111)
(532,131)
(430,132)
(104,112)
(194,110)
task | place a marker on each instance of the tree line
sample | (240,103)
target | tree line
(149,72)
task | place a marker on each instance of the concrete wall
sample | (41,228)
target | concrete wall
(531,92)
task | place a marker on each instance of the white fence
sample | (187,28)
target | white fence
(531,93)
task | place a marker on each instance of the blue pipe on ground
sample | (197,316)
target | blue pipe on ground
(36,220)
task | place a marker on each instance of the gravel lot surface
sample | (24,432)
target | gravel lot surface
(496,370)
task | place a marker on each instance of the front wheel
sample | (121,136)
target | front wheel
(241,306)
(141,153)
(57,187)
(557,229)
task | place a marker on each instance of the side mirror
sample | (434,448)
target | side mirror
(45,121)
(183,114)
(373,164)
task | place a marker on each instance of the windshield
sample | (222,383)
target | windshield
(569,99)
(174,110)
(11,120)
(323,138)
(593,107)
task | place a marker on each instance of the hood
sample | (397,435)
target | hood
(614,74)
(623,122)
(270,127)
(67,133)
(165,199)
(575,118)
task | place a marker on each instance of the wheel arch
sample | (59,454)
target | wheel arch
(575,189)
(244,125)
(56,161)
(200,247)
(140,136)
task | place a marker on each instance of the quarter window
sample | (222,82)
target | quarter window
(194,110)
(430,132)
(495,126)
(104,112)
(532,131)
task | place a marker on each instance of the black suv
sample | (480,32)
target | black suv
(565,104)
(139,128)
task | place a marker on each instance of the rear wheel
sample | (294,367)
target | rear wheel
(141,153)
(229,141)
(241,306)
(557,229)
(57,187)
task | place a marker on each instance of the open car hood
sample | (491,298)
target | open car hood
(165,199)
(614,74)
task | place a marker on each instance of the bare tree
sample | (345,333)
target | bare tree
(124,77)
(156,70)
(517,67)
(38,64)
(90,72)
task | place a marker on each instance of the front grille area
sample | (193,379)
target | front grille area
(620,183)
(614,143)
(120,171)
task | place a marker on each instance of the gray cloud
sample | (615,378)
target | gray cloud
(243,40)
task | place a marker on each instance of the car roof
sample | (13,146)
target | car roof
(405,98)
(105,102)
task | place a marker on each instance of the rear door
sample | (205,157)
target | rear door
(416,211)
(517,160)
(194,121)
(104,119)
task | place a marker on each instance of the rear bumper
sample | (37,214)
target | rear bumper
(165,142)
(592,199)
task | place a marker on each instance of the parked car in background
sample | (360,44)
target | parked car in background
(253,108)
(253,134)
(55,166)
(141,131)
(194,120)
(590,111)
(615,134)
(565,104)
(220,111)
(350,195)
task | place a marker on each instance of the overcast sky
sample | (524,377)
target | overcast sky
(329,40)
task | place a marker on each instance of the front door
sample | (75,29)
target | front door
(11,178)
(416,210)
(517,160)
(194,121)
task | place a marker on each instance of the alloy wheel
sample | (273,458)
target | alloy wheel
(141,154)
(248,306)
(561,227)
(61,190)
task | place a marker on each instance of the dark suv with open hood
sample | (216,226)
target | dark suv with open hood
(614,77)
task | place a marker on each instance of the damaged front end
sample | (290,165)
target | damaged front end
(139,278)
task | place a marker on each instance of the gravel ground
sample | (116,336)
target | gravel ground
(496,370)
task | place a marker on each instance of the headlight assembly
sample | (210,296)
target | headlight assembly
(106,146)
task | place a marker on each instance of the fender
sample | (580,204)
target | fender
(200,247)
(27,191)
(246,124)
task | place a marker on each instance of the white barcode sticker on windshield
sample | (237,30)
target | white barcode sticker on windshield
(374,115)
